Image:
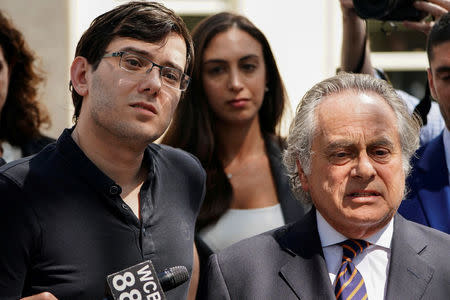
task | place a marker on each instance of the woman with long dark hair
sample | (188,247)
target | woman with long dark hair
(230,119)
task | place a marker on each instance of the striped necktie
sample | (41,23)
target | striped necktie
(349,282)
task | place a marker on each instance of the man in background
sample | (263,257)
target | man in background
(428,201)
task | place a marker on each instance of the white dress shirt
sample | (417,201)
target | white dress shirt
(446,138)
(372,263)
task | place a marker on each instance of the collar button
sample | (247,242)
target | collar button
(114,190)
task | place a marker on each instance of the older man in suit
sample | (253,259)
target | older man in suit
(428,201)
(348,153)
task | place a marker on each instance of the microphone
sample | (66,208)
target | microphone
(139,282)
(172,277)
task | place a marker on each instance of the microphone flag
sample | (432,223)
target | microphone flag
(137,282)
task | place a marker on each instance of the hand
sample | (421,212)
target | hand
(346,4)
(348,10)
(352,22)
(436,8)
(41,296)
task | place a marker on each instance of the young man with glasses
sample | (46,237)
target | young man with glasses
(104,197)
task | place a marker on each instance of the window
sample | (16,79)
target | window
(401,54)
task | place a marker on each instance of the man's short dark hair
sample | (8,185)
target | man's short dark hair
(440,33)
(146,21)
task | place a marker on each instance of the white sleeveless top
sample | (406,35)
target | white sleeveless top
(238,224)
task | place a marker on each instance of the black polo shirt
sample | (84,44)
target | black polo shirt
(64,226)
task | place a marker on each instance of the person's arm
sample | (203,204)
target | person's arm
(214,286)
(436,8)
(18,227)
(194,277)
(355,46)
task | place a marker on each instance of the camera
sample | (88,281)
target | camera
(388,10)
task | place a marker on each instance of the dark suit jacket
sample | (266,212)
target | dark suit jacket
(428,202)
(288,263)
(293,210)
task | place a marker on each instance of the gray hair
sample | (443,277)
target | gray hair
(303,127)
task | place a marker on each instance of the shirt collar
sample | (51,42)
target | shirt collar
(329,236)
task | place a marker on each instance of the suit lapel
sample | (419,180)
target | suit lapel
(409,275)
(305,272)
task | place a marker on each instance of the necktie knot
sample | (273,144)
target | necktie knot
(353,247)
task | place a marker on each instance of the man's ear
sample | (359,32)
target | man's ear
(431,83)
(302,176)
(78,72)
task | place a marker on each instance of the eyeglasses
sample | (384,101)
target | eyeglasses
(142,66)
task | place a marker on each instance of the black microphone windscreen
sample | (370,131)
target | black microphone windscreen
(173,277)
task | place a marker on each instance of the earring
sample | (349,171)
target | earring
(266,89)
